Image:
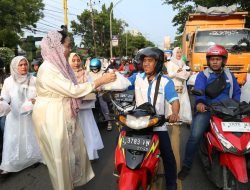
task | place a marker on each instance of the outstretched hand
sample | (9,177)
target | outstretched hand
(108,77)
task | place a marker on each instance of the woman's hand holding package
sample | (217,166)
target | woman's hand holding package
(105,79)
(108,77)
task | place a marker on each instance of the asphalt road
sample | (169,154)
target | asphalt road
(38,178)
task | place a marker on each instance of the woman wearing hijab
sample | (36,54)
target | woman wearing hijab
(20,147)
(55,114)
(93,140)
(177,70)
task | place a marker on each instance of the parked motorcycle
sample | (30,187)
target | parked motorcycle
(225,149)
(137,155)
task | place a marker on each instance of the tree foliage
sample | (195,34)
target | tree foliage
(6,55)
(15,16)
(184,7)
(83,27)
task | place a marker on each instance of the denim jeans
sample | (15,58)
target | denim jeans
(200,125)
(168,159)
(2,121)
(104,108)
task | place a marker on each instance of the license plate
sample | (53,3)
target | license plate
(136,143)
(236,126)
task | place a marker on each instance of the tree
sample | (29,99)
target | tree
(6,54)
(83,27)
(15,16)
(134,43)
(184,7)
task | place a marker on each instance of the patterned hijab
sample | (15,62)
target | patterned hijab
(79,73)
(14,70)
(52,50)
(173,59)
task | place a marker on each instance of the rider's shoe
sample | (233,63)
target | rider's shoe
(109,127)
(183,173)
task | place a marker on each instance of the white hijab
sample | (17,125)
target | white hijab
(173,59)
(14,70)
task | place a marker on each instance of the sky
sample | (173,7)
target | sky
(150,17)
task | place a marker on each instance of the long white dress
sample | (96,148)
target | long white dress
(60,136)
(92,137)
(179,80)
(20,146)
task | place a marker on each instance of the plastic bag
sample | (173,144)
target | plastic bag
(191,80)
(245,91)
(4,108)
(26,107)
(30,93)
(120,84)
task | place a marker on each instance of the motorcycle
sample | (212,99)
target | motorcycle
(225,149)
(137,155)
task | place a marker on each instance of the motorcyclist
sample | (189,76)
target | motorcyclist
(138,68)
(217,83)
(35,65)
(145,86)
(95,73)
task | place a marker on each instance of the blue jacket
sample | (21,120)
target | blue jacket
(202,82)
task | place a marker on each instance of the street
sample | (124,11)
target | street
(38,178)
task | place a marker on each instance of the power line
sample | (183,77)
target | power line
(53,17)
(47,25)
(68,5)
(49,22)
(59,12)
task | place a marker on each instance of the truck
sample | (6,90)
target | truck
(202,31)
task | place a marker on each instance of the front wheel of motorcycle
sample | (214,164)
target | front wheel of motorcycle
(140,187)
(234,184)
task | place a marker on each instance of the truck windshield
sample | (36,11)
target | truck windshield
(233,40)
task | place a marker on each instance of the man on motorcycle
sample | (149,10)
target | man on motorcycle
(217,83)
(145,89)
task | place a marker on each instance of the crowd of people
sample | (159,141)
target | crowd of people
(46,116)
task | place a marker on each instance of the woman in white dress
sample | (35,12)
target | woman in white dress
(20,147)
(176,69)
(55,114)
(92,137)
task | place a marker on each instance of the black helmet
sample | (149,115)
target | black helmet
(136,60)
(156,53)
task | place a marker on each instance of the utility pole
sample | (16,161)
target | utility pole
(110,24)
(93,25)
(126,43)
(65,8)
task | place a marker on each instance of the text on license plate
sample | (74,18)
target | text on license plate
(236,126)
(136,143)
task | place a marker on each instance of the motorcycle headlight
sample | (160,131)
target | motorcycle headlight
(138,122)
(228,147)
(247,149)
